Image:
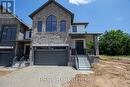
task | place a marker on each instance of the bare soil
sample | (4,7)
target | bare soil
(3,73)
(114,73)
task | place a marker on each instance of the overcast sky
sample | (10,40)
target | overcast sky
(101,14)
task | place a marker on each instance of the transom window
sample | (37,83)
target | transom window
(74,28)
(63,26)
(51,24)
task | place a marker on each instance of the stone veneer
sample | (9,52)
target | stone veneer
(8,19)
(54,37)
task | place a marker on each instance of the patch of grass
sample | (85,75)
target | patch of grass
(105,57)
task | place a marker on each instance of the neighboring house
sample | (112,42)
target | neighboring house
(56,37)
(14,38)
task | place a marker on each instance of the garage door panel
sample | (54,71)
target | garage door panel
(5,59)
(58,58)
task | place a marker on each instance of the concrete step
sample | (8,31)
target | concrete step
(23,64)
(16,65)
(83,62)
(85,69)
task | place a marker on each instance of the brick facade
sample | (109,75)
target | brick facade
(54,37)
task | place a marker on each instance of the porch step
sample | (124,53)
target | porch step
(83,62)
(84,68)
(16,65)
(23,64)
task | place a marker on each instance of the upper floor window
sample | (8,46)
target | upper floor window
(7,34)
(63,26)
(51,24)
(28,34)
(74,28)
(39,26)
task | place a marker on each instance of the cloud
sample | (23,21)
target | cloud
(78,2)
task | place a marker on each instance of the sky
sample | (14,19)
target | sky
(102,15)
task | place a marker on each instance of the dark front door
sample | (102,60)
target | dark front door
(27,51)
(80,47)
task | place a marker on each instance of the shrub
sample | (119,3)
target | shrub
(114,42)
(90,45)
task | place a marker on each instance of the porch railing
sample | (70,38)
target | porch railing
(75,53)
(21,60)
(14,60)
(76,60)
(90,52)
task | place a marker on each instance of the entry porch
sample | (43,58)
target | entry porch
(85,44)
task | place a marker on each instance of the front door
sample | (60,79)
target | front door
(79,46)
(27,51)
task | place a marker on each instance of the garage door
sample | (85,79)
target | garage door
(5,58)
(51,57)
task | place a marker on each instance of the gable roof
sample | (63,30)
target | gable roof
(56,3)
(15,16)
(81,23)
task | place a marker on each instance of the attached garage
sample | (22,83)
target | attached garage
(51,56)
(6,57)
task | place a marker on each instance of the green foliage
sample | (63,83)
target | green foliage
(90,45)
(114,42)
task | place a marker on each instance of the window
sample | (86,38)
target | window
(8,34)
(39,26)
(63,26)
(74,28)
(51,24)
(30,34)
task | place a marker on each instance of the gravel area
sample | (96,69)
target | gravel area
(37,76)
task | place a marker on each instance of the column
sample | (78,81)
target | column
(96,45)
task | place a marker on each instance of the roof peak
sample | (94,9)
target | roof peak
(51,0)
(56,3)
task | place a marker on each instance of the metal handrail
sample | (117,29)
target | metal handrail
(21,60)
(14,59)
(88,58)
(90,51)
(77,60)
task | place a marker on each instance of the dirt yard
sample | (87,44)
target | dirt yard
(114,73)
(3,73)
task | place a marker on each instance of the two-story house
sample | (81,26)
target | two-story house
(54,40)
(56,36)
(14,38)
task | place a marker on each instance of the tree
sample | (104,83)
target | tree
(114,42)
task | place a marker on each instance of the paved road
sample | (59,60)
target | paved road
(37,76)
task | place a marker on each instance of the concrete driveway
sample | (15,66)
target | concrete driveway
(38,76)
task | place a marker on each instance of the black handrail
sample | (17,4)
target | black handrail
(14,60)
(76,60)
(88,58)
(21,60)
